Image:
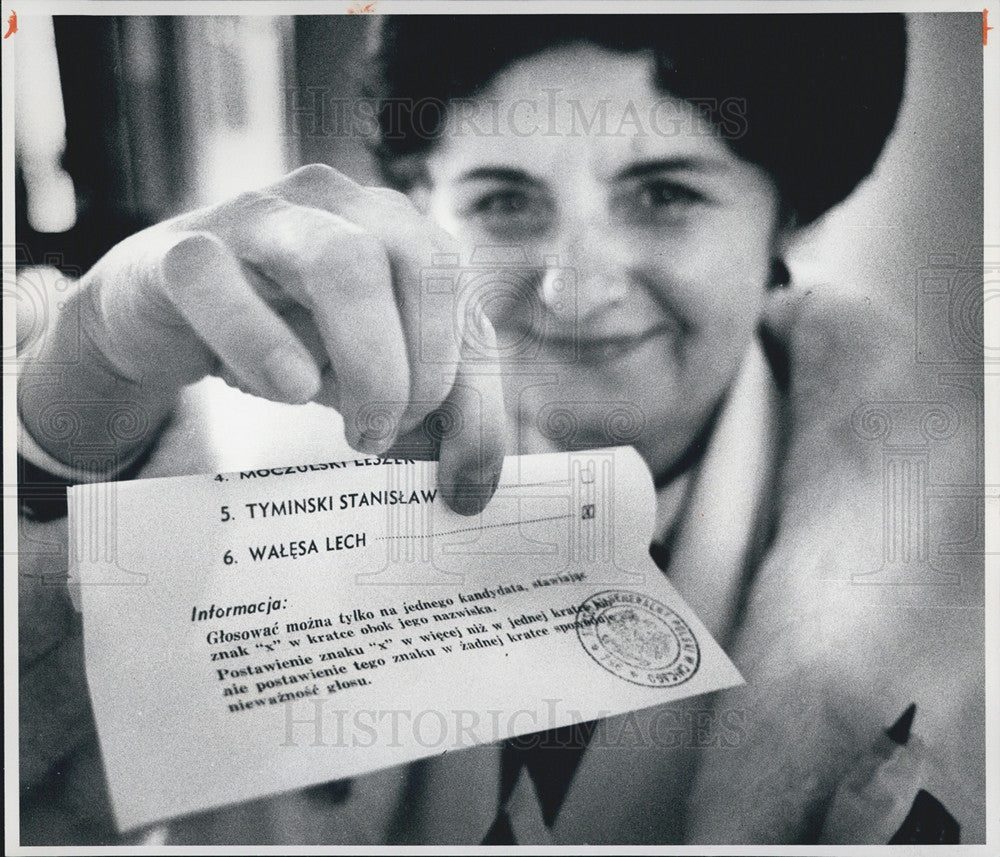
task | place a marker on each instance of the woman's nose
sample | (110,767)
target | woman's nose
(585,276)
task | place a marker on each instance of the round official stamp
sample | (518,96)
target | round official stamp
(637,638)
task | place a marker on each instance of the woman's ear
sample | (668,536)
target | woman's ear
(781,277)
(784,235)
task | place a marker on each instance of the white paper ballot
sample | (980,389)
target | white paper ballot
(254,632)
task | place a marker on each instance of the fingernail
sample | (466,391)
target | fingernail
(374,441)
(473,489)
(292,374)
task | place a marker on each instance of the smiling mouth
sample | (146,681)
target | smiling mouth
(587,347)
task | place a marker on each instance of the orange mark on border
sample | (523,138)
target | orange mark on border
(985,28)
(363,8)
(11,25)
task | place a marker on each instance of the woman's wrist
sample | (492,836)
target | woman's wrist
(78,414)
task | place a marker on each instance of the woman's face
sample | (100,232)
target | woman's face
(638,248)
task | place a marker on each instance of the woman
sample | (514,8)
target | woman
(643,177)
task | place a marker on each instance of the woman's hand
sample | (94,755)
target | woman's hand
(308,290)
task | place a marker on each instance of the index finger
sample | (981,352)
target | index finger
(467,433)
(471,457)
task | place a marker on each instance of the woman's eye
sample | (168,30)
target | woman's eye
(661,194)
(657,201)
(506,203)
(511,213)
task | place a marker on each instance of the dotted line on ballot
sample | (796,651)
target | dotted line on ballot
(531,484)
(474,529)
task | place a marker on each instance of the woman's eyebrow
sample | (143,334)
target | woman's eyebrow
(498,174)
(664,165)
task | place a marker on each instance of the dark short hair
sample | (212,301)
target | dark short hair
(821,91)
